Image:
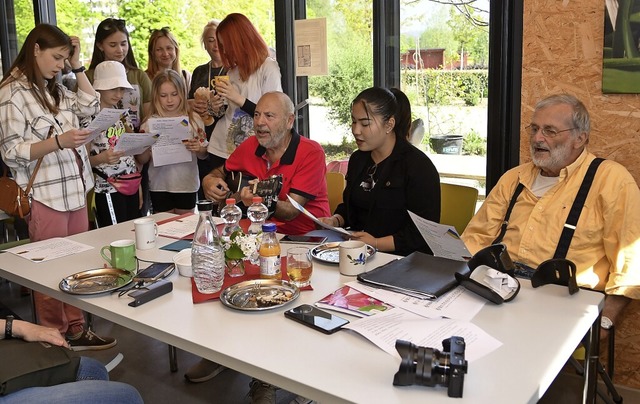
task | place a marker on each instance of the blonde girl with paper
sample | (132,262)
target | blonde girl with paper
(173,187)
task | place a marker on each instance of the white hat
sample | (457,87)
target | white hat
(109,75)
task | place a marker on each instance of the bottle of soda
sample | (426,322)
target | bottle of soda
(257,213)
(207,254)
(231,215)
(269,253)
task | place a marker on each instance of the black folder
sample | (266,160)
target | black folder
(418,275)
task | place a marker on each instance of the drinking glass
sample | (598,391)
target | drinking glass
(299,266)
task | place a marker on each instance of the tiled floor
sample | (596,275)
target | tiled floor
(146,365)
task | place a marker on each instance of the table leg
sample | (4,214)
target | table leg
(592,352)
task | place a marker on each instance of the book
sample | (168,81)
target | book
(351,301)
(418,275)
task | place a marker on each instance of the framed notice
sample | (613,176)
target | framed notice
(311,47)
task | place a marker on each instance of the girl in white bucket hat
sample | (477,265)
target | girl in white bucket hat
(117,177)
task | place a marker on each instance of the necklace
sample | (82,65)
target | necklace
(212,78)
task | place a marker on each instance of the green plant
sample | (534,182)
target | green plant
(340,151)
(349,73)
(474,145)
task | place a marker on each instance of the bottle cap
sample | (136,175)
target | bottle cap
(231,201)
(256,199)
(204,205)
(269,227)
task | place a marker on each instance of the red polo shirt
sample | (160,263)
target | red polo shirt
(303,170)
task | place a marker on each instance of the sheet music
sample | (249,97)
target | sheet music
(135,143)
(443,240)
(386,327)
(103,121)
(46,250)
(315,219)
(169,149)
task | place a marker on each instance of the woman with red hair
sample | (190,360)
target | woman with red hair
(252,72)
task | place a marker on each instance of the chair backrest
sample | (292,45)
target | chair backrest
(458,205)
(335,187)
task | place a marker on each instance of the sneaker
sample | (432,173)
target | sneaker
(203,371)
(89,341)
(261,393)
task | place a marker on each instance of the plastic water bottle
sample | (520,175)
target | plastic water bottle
(257,213)
(269,251)
(207,254)
(231,215)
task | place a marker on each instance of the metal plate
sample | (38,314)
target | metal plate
(330,253)
(94,281)
(259,294)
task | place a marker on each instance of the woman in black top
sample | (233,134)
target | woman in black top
(387,176)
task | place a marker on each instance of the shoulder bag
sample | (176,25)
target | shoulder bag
(13,200)
(35,364)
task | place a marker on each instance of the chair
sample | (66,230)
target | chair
(458,205)
(335,186)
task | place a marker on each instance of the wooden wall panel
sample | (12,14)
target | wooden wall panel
(562,52)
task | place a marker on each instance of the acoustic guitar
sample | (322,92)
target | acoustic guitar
(268,188)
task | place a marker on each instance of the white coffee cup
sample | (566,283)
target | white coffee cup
(353,256)
(146,233)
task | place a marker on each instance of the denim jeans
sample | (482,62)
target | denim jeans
(92,386)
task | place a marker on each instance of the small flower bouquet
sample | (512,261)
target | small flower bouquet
(240,247)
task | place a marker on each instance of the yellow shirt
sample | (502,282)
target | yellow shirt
(605,246)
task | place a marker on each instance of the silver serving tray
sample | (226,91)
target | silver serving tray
(248,295)
(94,281)
(329,252)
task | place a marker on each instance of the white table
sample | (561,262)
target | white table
(539,329)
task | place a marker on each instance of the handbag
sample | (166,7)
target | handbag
(35,364)
(13,200)
(126,184)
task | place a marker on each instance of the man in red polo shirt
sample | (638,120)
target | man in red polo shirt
(275,149)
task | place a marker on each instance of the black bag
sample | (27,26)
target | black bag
(35,364)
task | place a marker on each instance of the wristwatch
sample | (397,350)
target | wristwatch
(606,323)
(79,69)
(8,327)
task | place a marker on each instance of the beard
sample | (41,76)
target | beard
(557,158)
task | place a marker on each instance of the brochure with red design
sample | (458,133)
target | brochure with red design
(350,301)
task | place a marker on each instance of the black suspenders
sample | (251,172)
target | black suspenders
(572,218)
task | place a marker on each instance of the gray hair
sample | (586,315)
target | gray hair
(580,117)
(287,104)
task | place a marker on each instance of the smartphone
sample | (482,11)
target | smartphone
(154,272)
(303,239)
(315,318)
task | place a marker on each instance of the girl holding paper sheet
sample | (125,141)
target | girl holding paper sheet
(173,187)
(113,205)
(39,119)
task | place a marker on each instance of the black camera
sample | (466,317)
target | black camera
(430,367)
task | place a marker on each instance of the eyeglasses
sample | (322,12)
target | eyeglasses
(111,23)
(546,131)
(369,183)
(164,30)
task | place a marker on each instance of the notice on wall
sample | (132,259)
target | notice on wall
(311,47)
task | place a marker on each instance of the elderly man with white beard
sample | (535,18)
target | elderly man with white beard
(539,194)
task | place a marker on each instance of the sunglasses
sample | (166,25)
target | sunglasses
(369,183)
(111,23)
